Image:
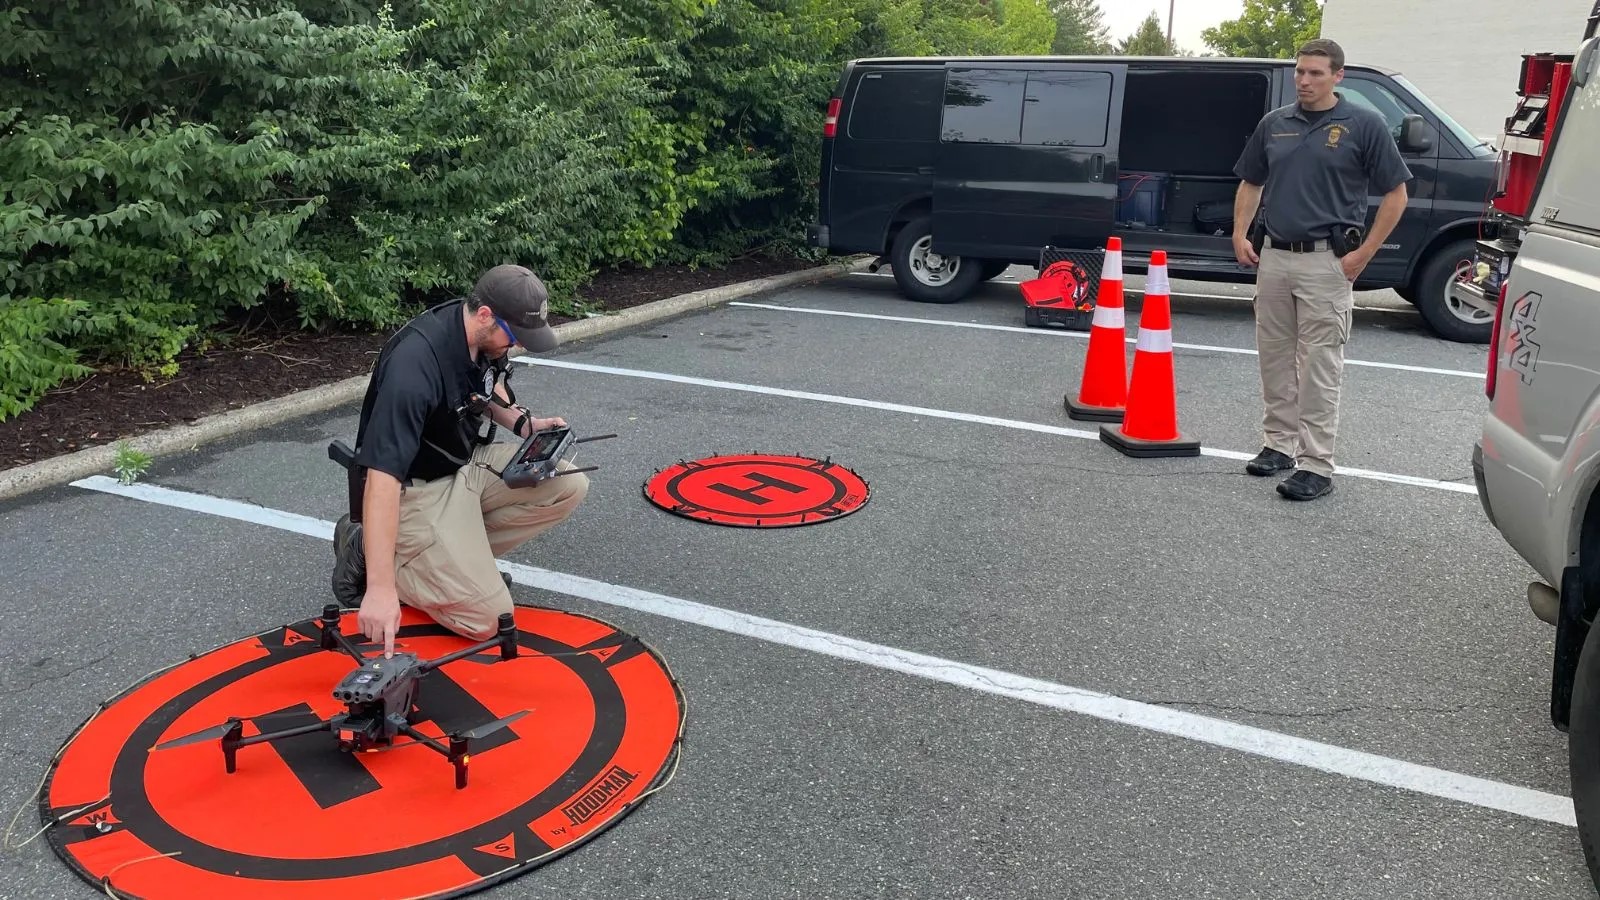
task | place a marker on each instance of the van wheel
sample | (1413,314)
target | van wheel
(1447,316)
(1583,750)
(929,277)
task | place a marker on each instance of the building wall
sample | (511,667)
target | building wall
(1464,54)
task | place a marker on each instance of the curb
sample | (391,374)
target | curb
(101,459)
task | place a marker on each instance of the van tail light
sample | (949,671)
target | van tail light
(830,124)
(1494,340)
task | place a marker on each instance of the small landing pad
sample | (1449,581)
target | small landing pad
(758,491)
(300,818)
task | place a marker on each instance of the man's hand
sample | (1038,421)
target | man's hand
(1244,251)
(541,424)
(380,617)
(1355,262)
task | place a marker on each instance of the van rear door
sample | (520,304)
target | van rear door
(1027,157)
(884,152)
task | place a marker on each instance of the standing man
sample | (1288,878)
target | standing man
(434,513)
(1307,167)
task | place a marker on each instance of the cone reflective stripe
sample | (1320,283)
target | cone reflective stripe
(1103,392)
(1150,424)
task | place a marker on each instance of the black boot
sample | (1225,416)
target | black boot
(1304,485)
(1269,462)
(350,563)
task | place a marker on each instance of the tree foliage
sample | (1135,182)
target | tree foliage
(1080,28)
(1270,29)
(345,160)
(1148,40)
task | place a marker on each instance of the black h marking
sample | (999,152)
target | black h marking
(333,777)
(750,495)
(329,776)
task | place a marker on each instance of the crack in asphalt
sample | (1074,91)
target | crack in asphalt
(57,675)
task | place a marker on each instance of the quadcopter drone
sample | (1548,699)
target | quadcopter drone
(380,702)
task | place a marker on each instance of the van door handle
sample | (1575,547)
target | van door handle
(1097,167)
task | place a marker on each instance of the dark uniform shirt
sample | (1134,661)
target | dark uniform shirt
(1319,167)
(420,381)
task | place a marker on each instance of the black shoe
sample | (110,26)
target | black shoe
(1269,462)
(349,563)
(1304,485)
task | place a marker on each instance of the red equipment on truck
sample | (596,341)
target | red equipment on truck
(1542,85)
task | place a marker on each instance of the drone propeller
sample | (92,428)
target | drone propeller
(216,732)
(488,728)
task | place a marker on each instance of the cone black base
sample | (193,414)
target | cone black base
(1141,449)
(1081,412)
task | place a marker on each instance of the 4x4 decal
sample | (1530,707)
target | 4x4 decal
(1523,352)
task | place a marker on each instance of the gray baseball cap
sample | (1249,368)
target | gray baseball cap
(517,295)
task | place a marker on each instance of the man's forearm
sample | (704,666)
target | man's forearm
(1245,203)
(1383,224)
(505,418)
(380,518)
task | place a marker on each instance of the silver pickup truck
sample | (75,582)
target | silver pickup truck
(1537,463)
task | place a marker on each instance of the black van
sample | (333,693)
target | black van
(952,168)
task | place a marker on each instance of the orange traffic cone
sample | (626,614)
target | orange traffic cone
(1103,393)
(1150,425)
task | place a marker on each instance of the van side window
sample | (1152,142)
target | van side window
(984,106)
(1570,192)
(1068,109)
(897,106)
(1379,99)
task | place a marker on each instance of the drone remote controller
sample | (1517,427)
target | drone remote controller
(540,455)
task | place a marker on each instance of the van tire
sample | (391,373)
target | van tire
(1583,751)
(950,280)
(1449,319)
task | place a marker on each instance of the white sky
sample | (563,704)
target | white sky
(1191,18)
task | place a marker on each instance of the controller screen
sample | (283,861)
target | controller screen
(542,446)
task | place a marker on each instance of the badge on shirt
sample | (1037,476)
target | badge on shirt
(1335,132)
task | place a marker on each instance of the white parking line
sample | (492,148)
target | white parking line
(1082,335)
(1413,480)
(1176,294)
(1323,757)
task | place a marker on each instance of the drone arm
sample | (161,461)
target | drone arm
(279,735)
(332,637)
(505,638)
(421,738)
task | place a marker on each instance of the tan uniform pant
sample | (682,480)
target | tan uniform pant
(1303,303)
(452,529)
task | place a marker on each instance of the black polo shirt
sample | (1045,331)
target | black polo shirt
(1318,173)
(422,377)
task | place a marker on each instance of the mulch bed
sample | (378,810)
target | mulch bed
(264,362)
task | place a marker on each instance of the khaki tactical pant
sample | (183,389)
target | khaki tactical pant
(452,529)
(1303,303)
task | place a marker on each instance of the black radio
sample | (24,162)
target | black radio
(540,455)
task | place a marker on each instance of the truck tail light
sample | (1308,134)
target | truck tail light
(1494,340)
(830,124)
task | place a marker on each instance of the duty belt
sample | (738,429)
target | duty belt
(1299,246)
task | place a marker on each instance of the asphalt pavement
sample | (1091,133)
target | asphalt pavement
(1029,666)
